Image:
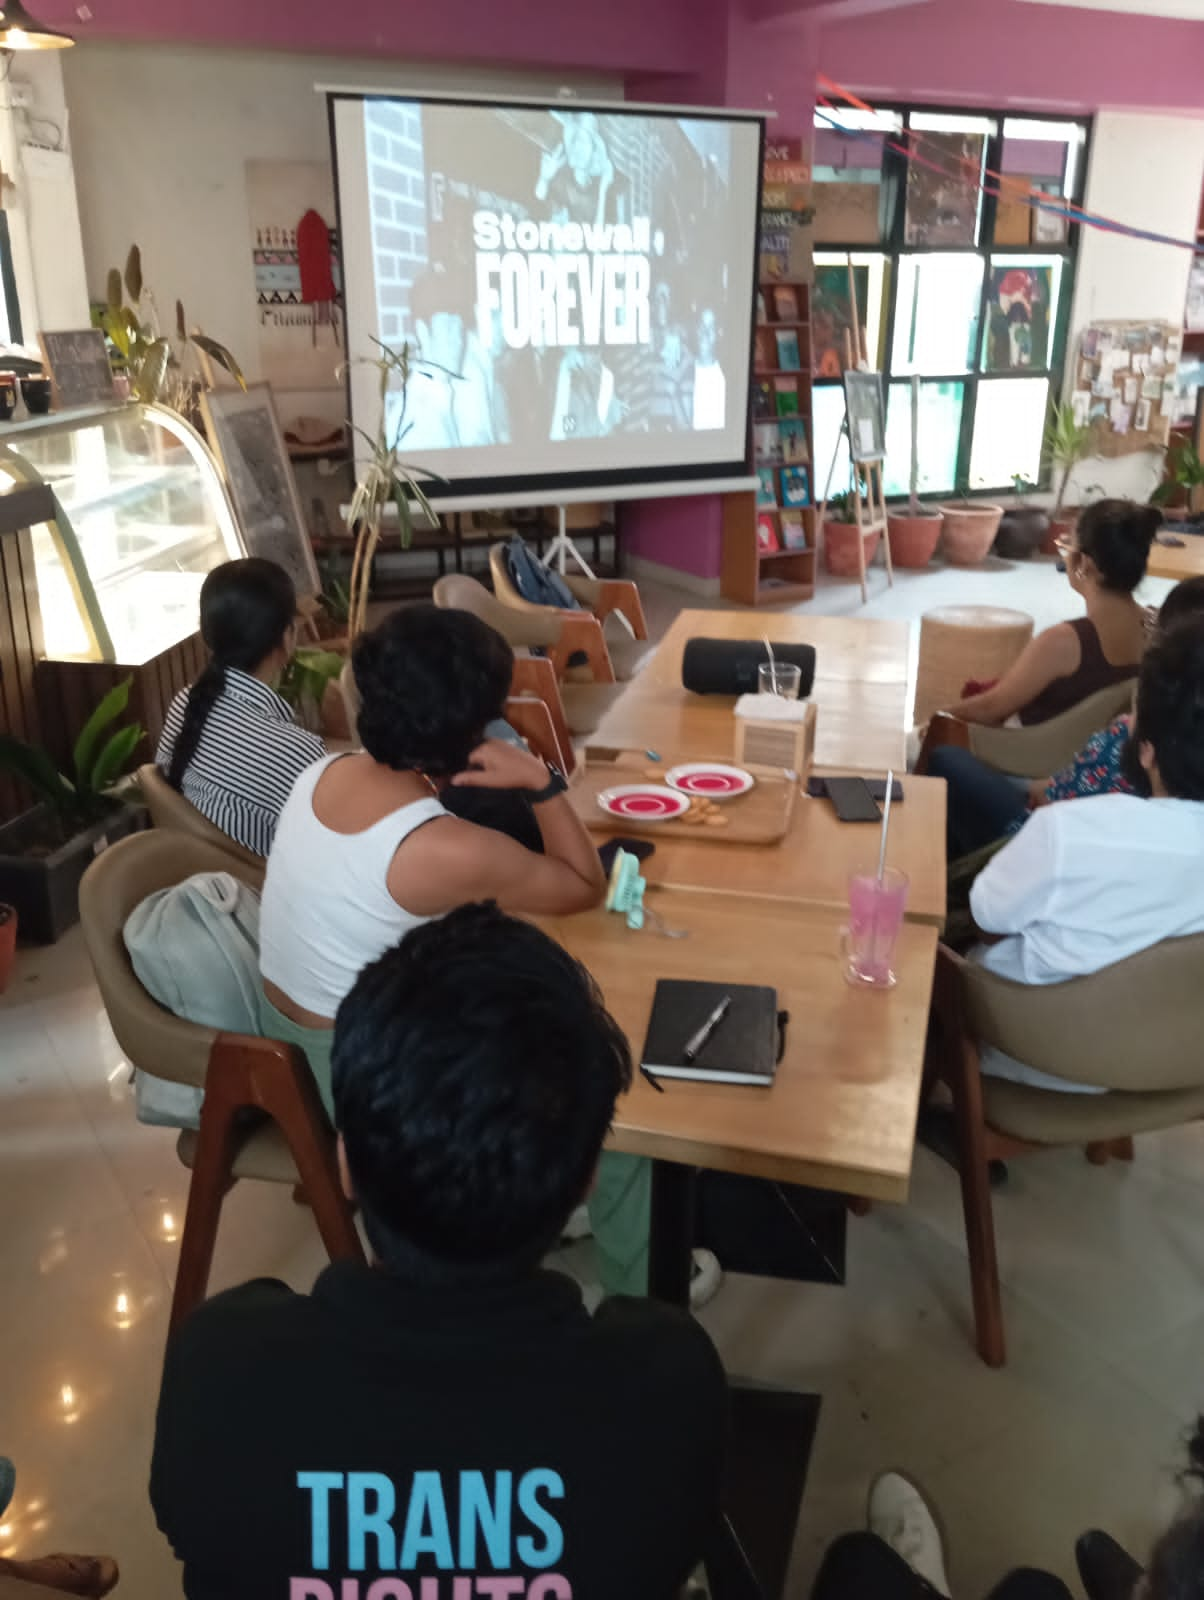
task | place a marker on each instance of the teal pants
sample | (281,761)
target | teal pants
(620,1207)
(315,1043)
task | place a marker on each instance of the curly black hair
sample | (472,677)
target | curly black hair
(475,1072)
(429,682)
(1170,707)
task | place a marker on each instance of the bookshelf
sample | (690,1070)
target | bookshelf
(769,546)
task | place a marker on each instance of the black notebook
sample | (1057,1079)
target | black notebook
(743,1048)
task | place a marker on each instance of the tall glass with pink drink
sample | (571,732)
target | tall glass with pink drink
(876,907)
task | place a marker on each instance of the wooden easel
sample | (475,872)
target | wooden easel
(869,471)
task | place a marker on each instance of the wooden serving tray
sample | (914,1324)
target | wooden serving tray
(762,816)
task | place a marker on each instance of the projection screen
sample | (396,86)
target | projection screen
(576,286)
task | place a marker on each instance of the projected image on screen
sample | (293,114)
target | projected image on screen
(575,285)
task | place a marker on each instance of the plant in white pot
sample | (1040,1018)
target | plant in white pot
(913,534)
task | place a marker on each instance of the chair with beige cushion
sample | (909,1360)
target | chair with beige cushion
(1133,1029)
(169,809)
(289,1138)
(542,627)
(600,598)
(1037,751)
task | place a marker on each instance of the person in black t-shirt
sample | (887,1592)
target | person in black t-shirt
(450,1422)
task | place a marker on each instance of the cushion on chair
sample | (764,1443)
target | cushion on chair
(1046,1117)
(263,1154)
(1046,747)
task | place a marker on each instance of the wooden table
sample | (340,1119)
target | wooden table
(814,861)
(862,690)
(841,1113)
(1177,561)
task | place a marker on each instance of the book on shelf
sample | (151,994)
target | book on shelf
(785,303)
(762,400)
(796,490)
(786,399)
(794,531)
(767,534)
(761,316)
(766,354)
(792,435)
(768,448)
(789,358)
(767,489)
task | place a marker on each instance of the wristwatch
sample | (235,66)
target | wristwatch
(557,783)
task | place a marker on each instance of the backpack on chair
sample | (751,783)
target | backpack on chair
(535,582)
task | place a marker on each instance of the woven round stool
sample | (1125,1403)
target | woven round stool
(960,643)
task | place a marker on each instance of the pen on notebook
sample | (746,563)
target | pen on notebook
(699,1040)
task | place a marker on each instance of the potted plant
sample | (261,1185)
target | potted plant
(1023,526)
(8,943)
(387,480)
(45,851)
(1066,443)
(969,529)
(913,534)
(840,536)
(305,681)
(1184,474)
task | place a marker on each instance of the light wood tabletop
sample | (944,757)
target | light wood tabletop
(862,692)
(1177,561)
(841,1112)
(813,862)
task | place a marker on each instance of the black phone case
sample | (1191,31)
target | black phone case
(853,800)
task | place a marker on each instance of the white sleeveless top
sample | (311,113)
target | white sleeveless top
(327,911)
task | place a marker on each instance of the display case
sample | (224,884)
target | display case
(141,516)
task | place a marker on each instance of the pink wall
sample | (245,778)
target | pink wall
(1007,53)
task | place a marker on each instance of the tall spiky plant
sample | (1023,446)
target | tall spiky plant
(387,480)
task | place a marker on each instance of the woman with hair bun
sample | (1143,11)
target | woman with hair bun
(1105,560)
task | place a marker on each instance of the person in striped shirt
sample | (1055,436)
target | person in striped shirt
(229,743)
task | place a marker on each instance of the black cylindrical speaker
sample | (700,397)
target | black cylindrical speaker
(729,666)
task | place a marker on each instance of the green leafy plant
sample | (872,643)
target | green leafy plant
(336,599)
(841,508)
(1065,443)
(387,480)
(1022,487)
(98,760)
(304,681)
(1184,470)
(169,369)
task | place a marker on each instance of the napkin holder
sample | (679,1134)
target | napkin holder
(772,731)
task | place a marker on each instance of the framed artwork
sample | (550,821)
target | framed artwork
(1017,331)
(943,194)
(244,434)
(863,407)
(832,314)
(79,368)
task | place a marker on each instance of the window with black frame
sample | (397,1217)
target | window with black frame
(931,222)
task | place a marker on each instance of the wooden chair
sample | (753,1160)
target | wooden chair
(1133,1028)
(288,1140)
(600,597)
(581,705)
(1035,752)
(170,810)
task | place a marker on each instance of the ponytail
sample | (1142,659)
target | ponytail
(247,607)
(202,697)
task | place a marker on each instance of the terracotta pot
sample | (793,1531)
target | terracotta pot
(840,548)
(8,943)
(913,539)
(1059,528)
(969,532)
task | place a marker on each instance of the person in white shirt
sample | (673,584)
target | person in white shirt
(1089,882)
(710,386)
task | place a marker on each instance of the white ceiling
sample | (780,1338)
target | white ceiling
(1193,10)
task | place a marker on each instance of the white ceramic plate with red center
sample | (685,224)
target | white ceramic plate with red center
(643,802)
(710,780)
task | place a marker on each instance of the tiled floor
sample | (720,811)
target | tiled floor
(1104,1275)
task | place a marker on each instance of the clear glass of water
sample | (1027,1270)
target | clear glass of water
(781,678)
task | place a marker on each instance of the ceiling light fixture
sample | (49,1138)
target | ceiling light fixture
(20,31)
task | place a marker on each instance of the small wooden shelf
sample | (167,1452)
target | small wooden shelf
(780,555)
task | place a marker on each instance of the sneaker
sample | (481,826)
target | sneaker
(577,1227)
(706,1275)
(899,1513)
